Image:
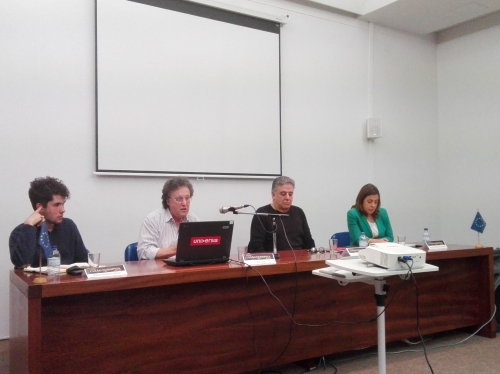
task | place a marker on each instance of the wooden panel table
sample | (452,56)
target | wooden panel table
(223,318)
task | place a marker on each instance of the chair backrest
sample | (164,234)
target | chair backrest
(344,239)
(131,252)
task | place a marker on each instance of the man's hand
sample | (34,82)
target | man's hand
(35,219)
(166,252)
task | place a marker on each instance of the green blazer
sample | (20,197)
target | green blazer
(357,223)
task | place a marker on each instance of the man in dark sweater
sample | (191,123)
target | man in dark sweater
(292,232)
(48,196)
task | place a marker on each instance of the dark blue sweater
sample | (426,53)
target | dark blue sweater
(25,250)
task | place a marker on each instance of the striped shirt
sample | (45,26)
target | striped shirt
(158,231)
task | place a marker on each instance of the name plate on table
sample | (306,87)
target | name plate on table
(255,259)
(352,251)
(436,245)
(106,272)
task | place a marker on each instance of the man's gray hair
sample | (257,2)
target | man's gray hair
(281,181)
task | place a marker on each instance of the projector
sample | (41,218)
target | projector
(387,255)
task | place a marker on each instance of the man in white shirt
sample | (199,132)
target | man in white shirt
(160,229)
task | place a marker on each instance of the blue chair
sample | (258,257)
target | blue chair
(344,239)
(131,252)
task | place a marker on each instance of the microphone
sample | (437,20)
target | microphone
(226,209)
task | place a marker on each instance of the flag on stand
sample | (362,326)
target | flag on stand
(44,241)
(478,224)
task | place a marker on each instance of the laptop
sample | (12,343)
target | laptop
(200,243)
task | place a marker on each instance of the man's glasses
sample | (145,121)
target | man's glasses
(180,199)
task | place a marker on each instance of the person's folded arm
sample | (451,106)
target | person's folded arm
(80,252)
(23,245)
(307,239)
(257,236)
(149,239)
(388,228)
(353,227)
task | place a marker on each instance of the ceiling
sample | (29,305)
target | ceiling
(415,16)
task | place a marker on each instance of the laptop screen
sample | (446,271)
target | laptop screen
(203,243)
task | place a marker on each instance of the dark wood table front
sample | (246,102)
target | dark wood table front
(224,318)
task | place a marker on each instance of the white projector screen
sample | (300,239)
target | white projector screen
(186,89)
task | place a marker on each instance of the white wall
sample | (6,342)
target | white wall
(469,129)
(47,117)
(405,158)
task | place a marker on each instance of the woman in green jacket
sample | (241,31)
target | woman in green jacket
(367,216)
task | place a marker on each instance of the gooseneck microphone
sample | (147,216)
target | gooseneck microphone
(226,209)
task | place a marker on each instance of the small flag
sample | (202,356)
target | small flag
(44,241)
(478,224)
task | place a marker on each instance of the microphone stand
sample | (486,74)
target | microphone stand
(275,250)
(261,214)
(274,215)
(40,280)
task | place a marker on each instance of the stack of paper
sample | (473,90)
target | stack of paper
(62,269)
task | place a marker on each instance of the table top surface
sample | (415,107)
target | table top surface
(152,273)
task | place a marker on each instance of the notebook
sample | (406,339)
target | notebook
(207,242)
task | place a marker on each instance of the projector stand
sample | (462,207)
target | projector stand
(380,295)
(355,270)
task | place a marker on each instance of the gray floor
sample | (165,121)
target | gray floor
(454,352)
(450,353)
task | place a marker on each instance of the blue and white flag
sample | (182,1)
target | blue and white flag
(44,241)
(478,224)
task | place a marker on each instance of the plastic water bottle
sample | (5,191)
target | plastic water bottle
(425,237)
(363,240)
(54,262)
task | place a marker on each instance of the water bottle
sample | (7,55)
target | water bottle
(363,240)
(54,262)
(425,237)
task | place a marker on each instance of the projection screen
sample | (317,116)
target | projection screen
(186,89)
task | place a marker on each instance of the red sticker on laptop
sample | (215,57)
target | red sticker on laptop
(205,240)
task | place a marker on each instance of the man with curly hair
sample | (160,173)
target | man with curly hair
(160,230)
(48,196)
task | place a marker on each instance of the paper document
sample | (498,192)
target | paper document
(62,269)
